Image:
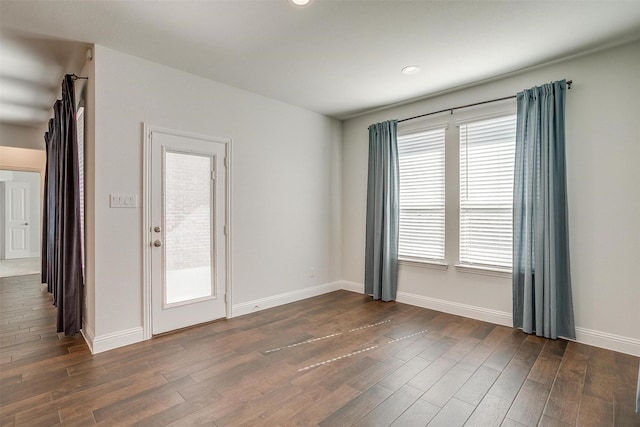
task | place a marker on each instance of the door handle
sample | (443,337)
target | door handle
(157,243)
(26,223)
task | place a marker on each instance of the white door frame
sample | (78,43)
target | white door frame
(146,221)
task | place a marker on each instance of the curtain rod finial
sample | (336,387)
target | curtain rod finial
(75,77)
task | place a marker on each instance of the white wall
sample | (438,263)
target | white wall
(603,148)
(33,178)
(22,136)
(23,159)
(286,184)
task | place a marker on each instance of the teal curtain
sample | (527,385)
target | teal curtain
(381,250)
(542,301)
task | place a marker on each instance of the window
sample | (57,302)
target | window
(422,205)
(487,150)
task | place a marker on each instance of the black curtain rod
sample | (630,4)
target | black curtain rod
(74,77)
(569,82)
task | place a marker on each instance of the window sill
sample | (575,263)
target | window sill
(436,265)
(487,271)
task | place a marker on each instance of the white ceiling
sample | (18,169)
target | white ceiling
(31,70)
(338,58)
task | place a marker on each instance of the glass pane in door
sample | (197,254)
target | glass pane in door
(188,219)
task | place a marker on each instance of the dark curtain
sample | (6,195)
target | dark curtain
(62,259)
(49,203)
(44,255)
(383,217)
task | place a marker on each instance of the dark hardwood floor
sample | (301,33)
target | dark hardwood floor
(337,359)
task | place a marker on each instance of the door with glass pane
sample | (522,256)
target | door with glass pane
(187,233)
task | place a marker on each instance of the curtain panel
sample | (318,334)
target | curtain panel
(45,273)
(382,226)
(62,259)
(542,300)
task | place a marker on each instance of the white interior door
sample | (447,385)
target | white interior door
(187,233)
(17,213)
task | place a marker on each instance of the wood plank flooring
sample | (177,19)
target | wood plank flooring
(335,360)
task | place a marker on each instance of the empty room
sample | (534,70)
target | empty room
(299,213)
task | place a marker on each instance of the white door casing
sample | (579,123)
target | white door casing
(17,216)
(186,230)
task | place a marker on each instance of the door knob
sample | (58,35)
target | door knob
(26,223)
(157,229)
(157,243)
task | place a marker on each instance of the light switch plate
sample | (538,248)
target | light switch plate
(123,200)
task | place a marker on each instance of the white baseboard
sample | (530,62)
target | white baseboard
(113,340)
(130,336)
(352,286)
(609,341)
(284,298)
(474,312)
(584,336)
(466,310)
(592,337)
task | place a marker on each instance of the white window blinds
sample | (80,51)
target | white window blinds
(487,150)
(421,162)
(80,137)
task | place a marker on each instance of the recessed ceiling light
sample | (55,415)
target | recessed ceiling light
(411,69)
(300,2)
